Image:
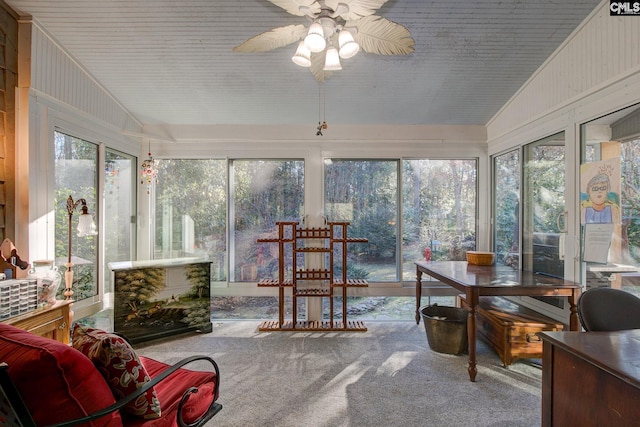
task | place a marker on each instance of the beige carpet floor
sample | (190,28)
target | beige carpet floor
(387,376)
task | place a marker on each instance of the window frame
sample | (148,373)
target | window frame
(314,159)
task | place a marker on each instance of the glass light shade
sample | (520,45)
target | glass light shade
(332,60)
(315,41)
(348,46)
(302,57)
(86,226)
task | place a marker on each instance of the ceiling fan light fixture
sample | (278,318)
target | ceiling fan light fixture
(332,60)
(348,46)
(314,41)
(302,57)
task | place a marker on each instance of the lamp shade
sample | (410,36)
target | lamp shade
(302,57)
(346,43)
(314,41)
(332,60)
(86,226)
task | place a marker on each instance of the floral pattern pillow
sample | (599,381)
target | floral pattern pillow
(120,366)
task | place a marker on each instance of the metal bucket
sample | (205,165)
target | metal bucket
(446,328)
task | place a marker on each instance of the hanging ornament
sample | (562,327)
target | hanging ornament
(149,171)
(322,105)
(112,176)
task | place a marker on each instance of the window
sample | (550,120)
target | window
(544,206)
(264,192)
(402,207)
(192,199)
(191,211)
(76,175)
(438,210)
(365,193)
(506,209)
(529,211)
(610,200)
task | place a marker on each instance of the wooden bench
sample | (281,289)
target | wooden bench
(511,329)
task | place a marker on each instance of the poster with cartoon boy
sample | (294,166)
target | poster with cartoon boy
(600,195)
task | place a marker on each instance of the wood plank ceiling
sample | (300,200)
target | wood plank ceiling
(171,62)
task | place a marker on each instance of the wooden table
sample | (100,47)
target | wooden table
(591,378)
(475,281)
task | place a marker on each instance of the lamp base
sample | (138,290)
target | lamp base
(68,281)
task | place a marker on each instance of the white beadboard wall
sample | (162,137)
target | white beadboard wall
(56,74)
(602,51)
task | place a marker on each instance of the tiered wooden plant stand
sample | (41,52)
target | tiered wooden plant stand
(321,282)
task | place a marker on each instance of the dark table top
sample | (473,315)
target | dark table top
(617,353)
(465,275)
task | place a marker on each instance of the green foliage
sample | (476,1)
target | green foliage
(353,271)
(506,202)
(368,190)
(545,185)
(439,206)
(196,188)
(199,277)
(137,287)
(197,313)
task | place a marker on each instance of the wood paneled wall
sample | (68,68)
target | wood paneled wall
(8,83)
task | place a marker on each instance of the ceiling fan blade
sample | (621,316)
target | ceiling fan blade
(378,35)
(317,67)
(299,7)
(354,9)
(270,40)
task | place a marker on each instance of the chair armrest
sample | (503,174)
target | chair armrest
(213,409)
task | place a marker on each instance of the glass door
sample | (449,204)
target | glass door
(544,206)
(76,175)
(506,208)
(119,211)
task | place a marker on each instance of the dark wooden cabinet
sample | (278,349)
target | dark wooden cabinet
(591,378)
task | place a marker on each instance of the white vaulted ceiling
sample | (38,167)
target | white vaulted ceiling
(170,62)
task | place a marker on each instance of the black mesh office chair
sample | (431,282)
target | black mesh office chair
(608,309)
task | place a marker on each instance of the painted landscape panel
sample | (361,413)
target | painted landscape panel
(153,301)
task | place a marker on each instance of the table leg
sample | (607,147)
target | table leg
(574,321)
(418,293)
(472,299)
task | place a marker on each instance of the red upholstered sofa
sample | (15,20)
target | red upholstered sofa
(56,384)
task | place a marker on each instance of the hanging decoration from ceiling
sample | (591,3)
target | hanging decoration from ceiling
(322,104)
(111,176)
(338,29)
(149,171)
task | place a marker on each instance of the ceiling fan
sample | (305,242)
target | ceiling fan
(339,29)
